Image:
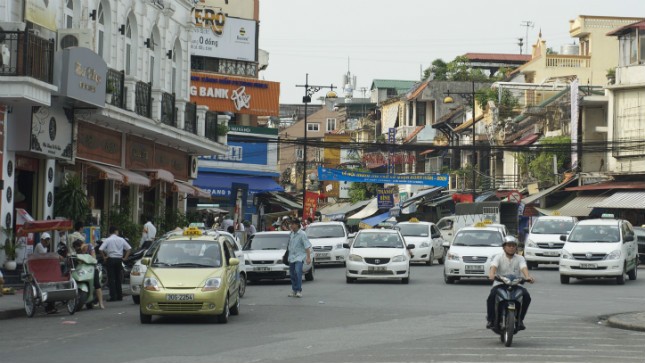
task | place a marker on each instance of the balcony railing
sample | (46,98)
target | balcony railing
(190,118)
(25,54)
(168,110)
(211,126)
(143,99)
(568,61)
(116,86)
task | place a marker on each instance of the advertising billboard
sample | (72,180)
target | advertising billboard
(235,40)
(42,12)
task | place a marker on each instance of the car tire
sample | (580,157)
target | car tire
(449,279)
(430,258)
(223,317)
(564,279)
(235,310)
(633,273)
(349,280)
(620,280)
(532,265)
(442,260)
(136,299)
(242,284)
(145,319)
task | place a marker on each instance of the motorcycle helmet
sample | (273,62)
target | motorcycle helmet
(509,240)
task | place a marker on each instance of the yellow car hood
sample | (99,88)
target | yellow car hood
(183,278)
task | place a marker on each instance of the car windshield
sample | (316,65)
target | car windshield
(153,247)
(478,238)
(189,254)
(413,230)
(314,231)
(268,241)
(591,233)
(377,240)
(552,226)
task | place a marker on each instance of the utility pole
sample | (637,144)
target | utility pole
(528,24)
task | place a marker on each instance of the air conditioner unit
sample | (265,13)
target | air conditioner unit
(193,167)
(75,38)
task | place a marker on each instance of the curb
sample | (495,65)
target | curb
(12,313)
(626,321)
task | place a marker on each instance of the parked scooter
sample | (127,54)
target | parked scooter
(508,305)
(83,267)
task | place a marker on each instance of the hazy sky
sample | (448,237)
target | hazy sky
(396,39)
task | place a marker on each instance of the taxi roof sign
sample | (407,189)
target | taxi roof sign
(487,221)
(192,231)
(480,224)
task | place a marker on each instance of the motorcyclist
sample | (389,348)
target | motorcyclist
(508,263)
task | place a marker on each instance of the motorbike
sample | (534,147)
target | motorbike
(83,267)
(508,305)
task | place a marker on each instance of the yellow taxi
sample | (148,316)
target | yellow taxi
(191,274)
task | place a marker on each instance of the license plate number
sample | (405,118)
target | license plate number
(552,253)
(261,269)
(588,265)
(474,268)
(376,268)
(180,297)
(322,254)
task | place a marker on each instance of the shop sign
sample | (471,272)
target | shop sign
(172,160)
(98,144)
(235,39)
(311,205)
(437,180)
(42,12)
(384,197)
(51,132)
(375,159)
(206,10)
(139,153)
(243,151)
(81,74)
(235,94)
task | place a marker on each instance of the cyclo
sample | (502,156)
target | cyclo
(45,281)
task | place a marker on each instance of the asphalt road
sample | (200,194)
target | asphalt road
(425,321)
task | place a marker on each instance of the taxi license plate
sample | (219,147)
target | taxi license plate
(376,268)
(261,269)
(588,265)
(552,253)
(474,268)
(180,297)
(322,254)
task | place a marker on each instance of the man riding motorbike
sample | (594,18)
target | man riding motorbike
(504,264)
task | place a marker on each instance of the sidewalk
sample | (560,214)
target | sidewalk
(11,306)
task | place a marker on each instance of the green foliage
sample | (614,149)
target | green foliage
(458,70)
(611,75)
(509,106)
(466,174)
(362,191)
(71,201)
(540,165)
(120,217)
(9,244)
(222,130)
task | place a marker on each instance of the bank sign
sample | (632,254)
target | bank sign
(437,180)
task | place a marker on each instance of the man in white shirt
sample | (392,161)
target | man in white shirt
(112,249)
(149,231)
(43,246)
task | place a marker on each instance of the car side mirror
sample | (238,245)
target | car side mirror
(233,261)
(410,246)
(145,261)
(345,245)
(563,237)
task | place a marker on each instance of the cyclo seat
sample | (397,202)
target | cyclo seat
(46,268)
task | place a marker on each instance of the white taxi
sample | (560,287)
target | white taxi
(327,240)
(543,243)
(427,240)
(263,257)
(604,247)
(471,252)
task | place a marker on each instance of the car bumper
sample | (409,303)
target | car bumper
(420,254)
(394,270)
(333,256)
(203,302)
(540,255)
(461,269)
(577,268)
(135,284)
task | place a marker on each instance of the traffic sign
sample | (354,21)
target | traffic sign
(514,196)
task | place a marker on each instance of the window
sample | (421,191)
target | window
(69,14)
(331,124)
(313,127)
(101,31)
(421,114)
(173,86)
(128,47)
(151,52)
(299,153)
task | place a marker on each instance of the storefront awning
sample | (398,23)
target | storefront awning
(285,202)
(220,184)
(623,200)
(369,210)
(575,207)
(340,213)
(160,174)
(107,172)
(179,187)
(543,193)
(417,197)
(132,178)
(372,221)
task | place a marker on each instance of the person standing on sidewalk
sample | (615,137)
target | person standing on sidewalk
(299,252)
(149,233)
(112,249)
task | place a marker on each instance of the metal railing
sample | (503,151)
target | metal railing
(168,110)
(26,54)
(116,86)
(211,126)
(190,118)
(143,99)
(568,61)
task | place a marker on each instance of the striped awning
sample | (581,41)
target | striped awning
(132,178)
(160,174)
(623,200)
(124,176)
(575,207)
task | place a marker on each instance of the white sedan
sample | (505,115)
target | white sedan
(378,254)
(263,257)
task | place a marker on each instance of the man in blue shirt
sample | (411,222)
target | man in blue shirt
(299,251)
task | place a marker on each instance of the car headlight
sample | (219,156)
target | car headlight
(339,246)
(424,245)
(212,284)
(355,258)
(530,243)
(136,270)
(452,256)
(247,262)
(614,255)
(565,255)
(151,284)
(399,258)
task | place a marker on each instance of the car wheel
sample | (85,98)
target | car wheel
(442,260)
(145,319)
(564,279)
(532,265)
(223,317)
(620,280)
(136,299)
(309,276)
(242,284)
(430,258)
(633,273)
(349,280)
(449,279)
(235,309)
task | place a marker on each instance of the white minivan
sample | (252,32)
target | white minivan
(600,248)
(327,240)
(543,245)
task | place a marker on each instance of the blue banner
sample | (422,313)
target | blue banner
(437,180)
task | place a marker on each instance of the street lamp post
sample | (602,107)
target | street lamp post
(306,99)
(470,96)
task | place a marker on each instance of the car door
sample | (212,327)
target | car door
(232,272)
(630,247)
(437,240)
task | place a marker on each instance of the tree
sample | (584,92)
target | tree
(508,107)
(540,166)
(362,191)
(71,201)
(439,70)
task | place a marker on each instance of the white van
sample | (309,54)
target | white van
(600,248)
(327,239)
(543,243)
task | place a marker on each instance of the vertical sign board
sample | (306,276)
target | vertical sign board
(239,193)
(391,138)
(311,204)
(574,123)
(385,198)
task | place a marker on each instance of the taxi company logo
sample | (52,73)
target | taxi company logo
(550,244)
(588,255)
(377,261)
(475,258)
